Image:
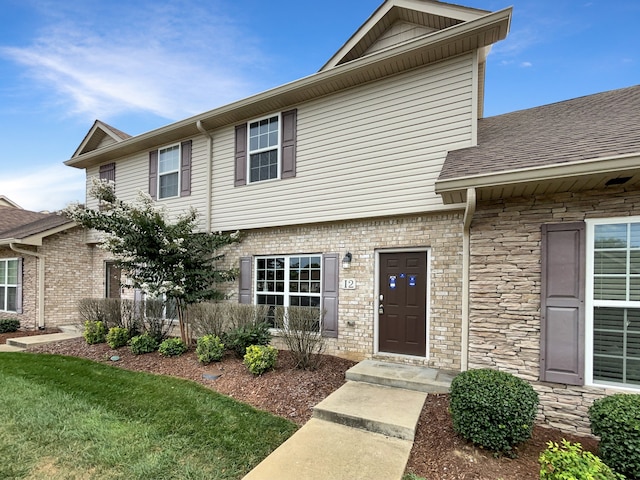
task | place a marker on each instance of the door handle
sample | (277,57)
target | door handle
(381,309)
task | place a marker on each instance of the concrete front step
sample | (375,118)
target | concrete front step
(323,450)
(410,377)
(10,348)
(385,410)
(26,342)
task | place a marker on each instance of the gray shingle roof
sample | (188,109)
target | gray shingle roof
(596,126)
(16,223)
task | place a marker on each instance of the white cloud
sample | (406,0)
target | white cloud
(145,58)
(51,188)
(526,64)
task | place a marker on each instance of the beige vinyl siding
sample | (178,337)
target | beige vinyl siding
(398,33)
(132,176)
(374,150)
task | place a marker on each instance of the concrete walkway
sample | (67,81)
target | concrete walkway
(364,430)
(20,344)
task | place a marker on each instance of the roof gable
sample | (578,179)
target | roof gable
(398,21)
(100,135)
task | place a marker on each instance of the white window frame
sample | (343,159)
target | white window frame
(287,278)
(169,172)
(4,283)
(591,303)
(277,147)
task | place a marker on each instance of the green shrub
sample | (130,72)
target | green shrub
(569,461)
(493,409)
(8,325)
(260,358)
(172,347)
(209,349)
(117,337)
(94,332)
(244,336)
(144,343)
(616,420)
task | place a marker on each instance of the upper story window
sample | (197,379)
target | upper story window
(168,171)
(9,285)
(264,148)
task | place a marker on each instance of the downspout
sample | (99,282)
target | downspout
(466,262)
(200,127)
(40,259)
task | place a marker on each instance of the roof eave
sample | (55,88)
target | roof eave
(422,51)
(36,239)
(454,190)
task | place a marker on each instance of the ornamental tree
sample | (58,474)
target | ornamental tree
(162,258)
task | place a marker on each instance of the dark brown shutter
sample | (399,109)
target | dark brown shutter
(289,134)
(185,169)
(245,280)
(241,155)
(108,172)
(19,287)
(562,327)
(330,270)
(153,173)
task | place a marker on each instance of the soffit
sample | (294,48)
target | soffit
(463,38)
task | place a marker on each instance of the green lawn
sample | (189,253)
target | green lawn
(68,418)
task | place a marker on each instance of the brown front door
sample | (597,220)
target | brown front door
(402,311)
(113,281)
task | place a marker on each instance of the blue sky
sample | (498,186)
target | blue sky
(141,64)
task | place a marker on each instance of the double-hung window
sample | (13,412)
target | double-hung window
(293,280)
(264,149)
(169,172)
(9,285)
(613,301)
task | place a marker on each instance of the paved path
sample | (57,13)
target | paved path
(364,430)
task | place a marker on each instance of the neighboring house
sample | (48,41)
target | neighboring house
(45,268)
(356,190)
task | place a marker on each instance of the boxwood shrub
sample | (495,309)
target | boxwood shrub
(144,343)
(567,461)
(94,332)
(616,420)
(493,409)
(260,358)
(209,348)
(172,347)
(8,325)
(117,337)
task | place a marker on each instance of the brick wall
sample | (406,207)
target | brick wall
(442,233)
(68,278)
(505,290)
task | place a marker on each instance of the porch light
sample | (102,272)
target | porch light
(346,261)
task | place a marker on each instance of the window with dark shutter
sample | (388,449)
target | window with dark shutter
(257,149)
(562,312)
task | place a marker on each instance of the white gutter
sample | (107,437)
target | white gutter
(209,173)
(40,260)
(466,262)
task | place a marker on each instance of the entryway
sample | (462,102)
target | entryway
(402,302)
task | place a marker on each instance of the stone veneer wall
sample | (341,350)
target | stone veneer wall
(442,233)
(505,278)
(68,278)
